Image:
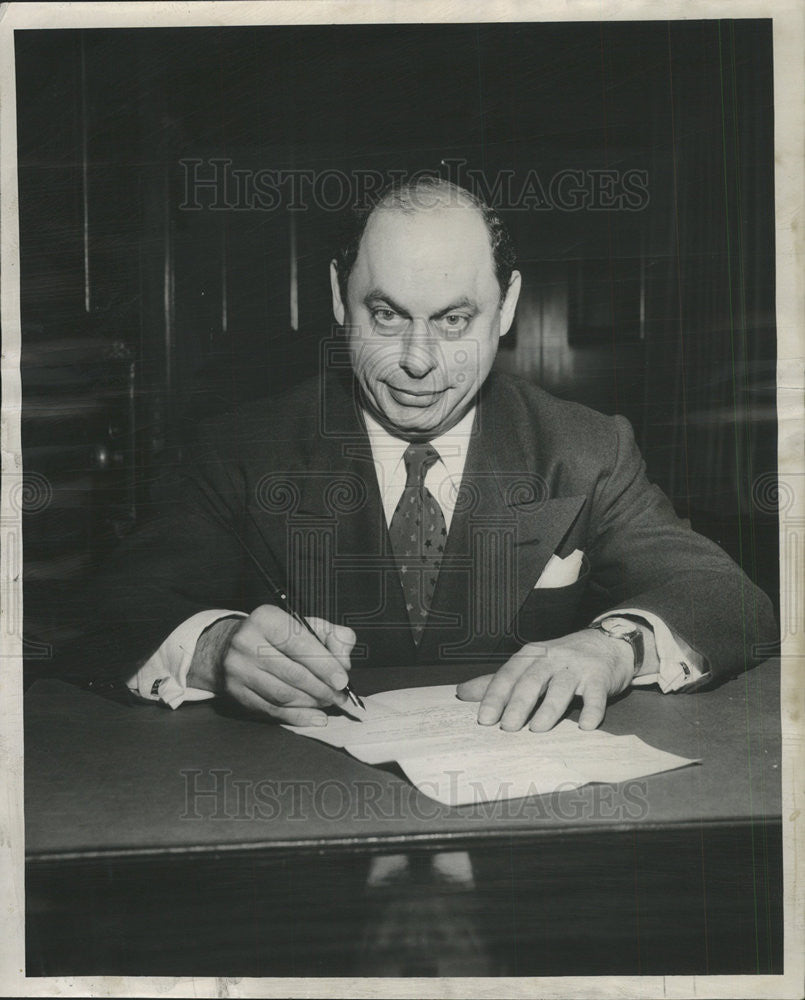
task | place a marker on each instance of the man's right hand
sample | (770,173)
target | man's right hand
(272,665)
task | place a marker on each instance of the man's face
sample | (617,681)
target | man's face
(423,316)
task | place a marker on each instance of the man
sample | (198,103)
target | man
(418,508)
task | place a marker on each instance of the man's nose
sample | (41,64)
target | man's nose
(419,347)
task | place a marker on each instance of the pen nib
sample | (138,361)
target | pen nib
(354,698)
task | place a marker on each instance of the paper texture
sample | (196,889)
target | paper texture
(436,740)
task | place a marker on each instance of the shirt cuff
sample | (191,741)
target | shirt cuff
(163,677)
(681,668)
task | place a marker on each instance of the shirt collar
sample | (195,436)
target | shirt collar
(452,446)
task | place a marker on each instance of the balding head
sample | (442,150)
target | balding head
(422,194)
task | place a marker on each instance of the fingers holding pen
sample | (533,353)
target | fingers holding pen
(272,675)
(272,652)
(339,639)
(290,637)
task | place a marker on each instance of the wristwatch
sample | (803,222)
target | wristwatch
(622,628)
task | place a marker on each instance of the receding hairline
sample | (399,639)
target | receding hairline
(421,194)
(423,191)
(385,207)
(427,198)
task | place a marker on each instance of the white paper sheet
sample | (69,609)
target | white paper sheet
(436,740)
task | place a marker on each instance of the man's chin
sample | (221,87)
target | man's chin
(417,420)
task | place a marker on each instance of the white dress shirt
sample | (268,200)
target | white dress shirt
(163,677)
(443,478)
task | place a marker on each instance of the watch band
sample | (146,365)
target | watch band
(633,635)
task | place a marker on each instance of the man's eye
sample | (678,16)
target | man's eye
(453,323)
(385,317)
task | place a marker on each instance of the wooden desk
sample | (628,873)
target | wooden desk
(201,842)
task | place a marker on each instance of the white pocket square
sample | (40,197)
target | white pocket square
(560,572)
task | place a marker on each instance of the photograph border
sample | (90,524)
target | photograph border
(789,87)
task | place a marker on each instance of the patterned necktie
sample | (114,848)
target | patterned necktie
(418,535)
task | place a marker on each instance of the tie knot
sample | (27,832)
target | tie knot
(418,459)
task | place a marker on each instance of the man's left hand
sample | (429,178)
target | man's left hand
(588,664)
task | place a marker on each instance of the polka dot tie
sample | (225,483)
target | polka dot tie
(418,535)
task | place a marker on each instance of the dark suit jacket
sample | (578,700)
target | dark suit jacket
(294,478)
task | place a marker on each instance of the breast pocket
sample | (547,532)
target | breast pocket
(551,612)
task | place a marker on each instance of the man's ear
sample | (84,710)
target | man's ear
(510,303)
(339,310)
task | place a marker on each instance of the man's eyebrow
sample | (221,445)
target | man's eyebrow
(462,303)
(378,295)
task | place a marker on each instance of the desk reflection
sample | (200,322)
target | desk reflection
(422,918)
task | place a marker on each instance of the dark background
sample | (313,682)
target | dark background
(141,315)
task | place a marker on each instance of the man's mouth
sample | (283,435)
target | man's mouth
(415,397)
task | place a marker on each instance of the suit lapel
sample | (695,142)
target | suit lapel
(504,530)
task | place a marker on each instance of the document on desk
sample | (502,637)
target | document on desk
(436,740)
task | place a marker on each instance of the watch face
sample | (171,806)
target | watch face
(617,627)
